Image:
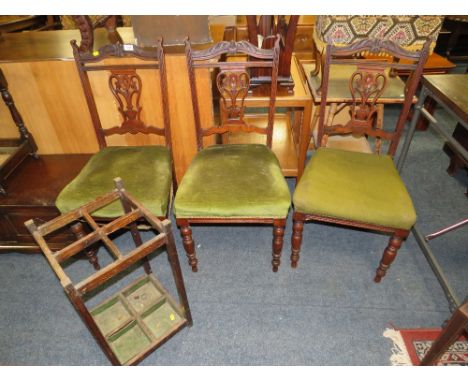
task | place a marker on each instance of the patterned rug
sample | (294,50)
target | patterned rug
(411,345)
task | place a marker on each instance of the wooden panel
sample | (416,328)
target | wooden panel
(48,95)
(283,143)
(181,110)
(40,180)
(31,194)
(16,216)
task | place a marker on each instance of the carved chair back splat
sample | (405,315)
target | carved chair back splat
(126,85)
(233,84)
(367,84)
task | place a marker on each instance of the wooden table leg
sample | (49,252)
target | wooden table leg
(455,327)
(297,123)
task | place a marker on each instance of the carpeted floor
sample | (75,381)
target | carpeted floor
(326,312)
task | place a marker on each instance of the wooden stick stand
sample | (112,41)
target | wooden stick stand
(142,316)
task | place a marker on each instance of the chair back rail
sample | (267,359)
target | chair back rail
(233,84)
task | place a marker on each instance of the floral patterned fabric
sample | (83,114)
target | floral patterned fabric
(410,32)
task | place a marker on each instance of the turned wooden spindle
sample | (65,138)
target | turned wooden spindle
(388,256)
(189,246)
(278,239)
(296,241)
(8,99)
(79,232)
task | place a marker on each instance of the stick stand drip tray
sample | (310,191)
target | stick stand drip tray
(138,318)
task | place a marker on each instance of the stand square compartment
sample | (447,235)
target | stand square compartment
(138,318)
(111,315)
(161,319)
(142,295)
(129,342)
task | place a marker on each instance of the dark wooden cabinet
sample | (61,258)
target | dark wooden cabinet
(453,39)
(460,134)
(31,195)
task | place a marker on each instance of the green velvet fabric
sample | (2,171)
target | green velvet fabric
(238,180)
(146,172)
(354,186)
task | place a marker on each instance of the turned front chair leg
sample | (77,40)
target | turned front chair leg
(278,239)
(388,256)
(189,246)
(296,241)
(79,232)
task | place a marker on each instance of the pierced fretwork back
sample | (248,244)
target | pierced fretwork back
(124,63)
(367,84)
(233,84)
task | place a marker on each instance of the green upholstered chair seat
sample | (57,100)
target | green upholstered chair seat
(146,172)
(238,180)
(354,186)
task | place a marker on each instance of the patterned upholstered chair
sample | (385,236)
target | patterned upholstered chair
(233,183)
(120,83)
(357,189)
(409,32)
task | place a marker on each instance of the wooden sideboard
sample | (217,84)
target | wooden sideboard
(31,194)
